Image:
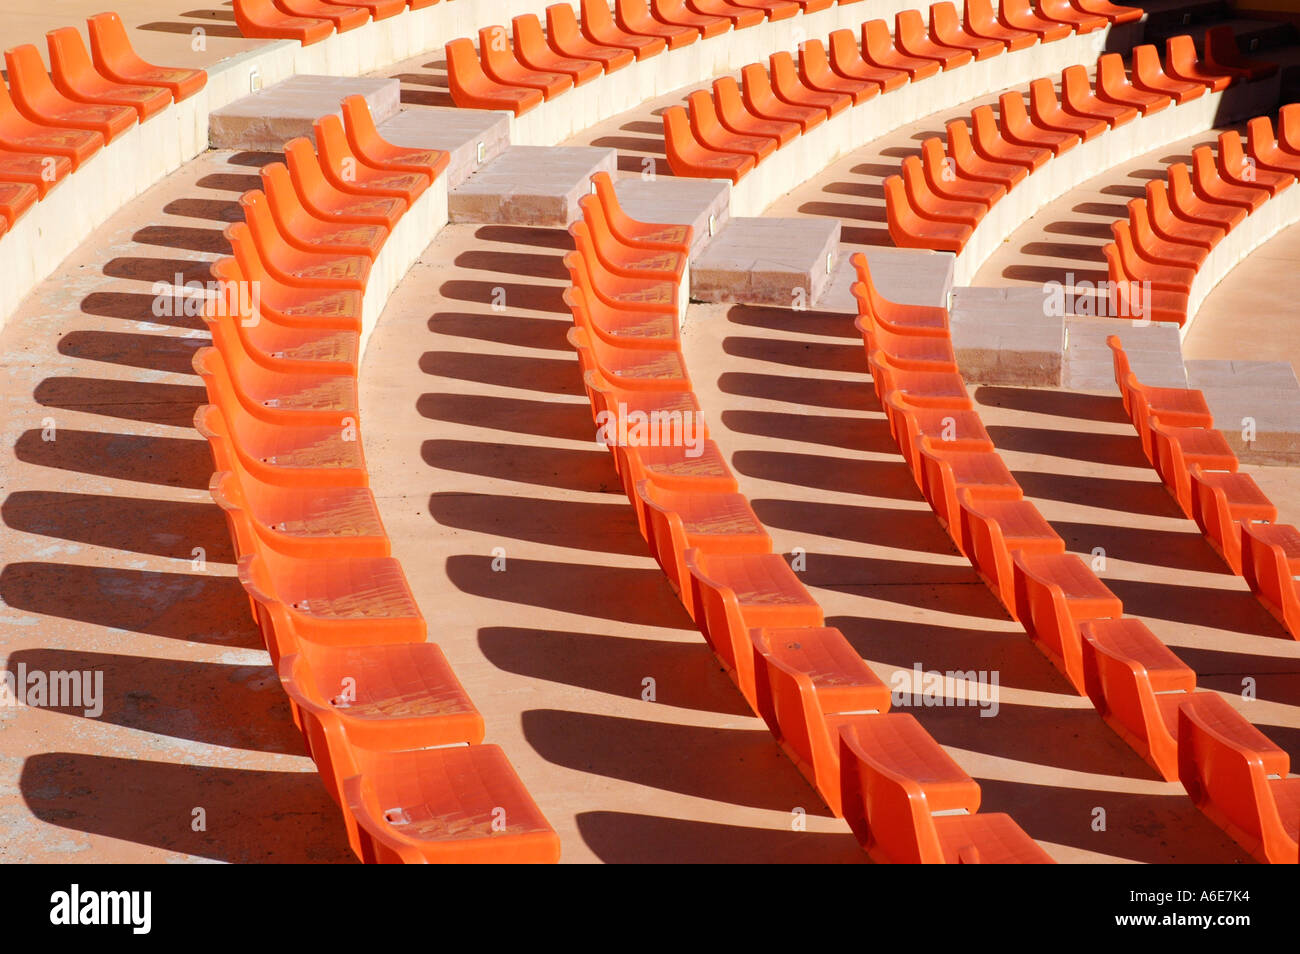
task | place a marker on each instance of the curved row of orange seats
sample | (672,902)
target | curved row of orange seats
(1145,693)
(904,798)
(1201,472)
(1169,234)
(941,196)
(50,124)
(728,133)
(310,21)
(540,66)
(396,739)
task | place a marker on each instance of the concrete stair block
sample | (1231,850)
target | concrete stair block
(767,261)
(473,137)
(699,203)
(907,275)
(530,185)
(264,121)
(1154,350)
(1005,336)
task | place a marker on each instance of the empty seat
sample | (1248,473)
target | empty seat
(349,172)
(598,26)
(1079,19)
(1265,150)
(946,472)
(1221,501)
(532,51)
(368,145)
(1047,113)
(1270,563)
(309,232)
(1211,187)
(648,234)
(687,156)
(992,529)
(37,99)
(75,77)
(981,21)
(790,88)
(1020,15)
(260,18)
(472,88)
(1149,74)
(913,39)
(1182,63)
(945,179)
(565,37)
(1238,169)
(973,165)
(1018,129)
(343,16)
(333,199)
(990,144)
(501,65)
(1079,98)
(634,16)
(946,29)
(708,130)
(111,52)
(878,50)
(846,60)
(729,102)
(1114,86)
(1223,55)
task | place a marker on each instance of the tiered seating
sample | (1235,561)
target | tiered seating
(942,196)
(902,795)
(51,124)
(310,21)
(1141,689)
(1170,237)
(1201,473)
(730,132)
(396,739)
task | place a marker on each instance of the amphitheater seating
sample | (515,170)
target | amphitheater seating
(1201,472)
(939,199)
(51,124)
(395,738)
(1137,685)
(891,782)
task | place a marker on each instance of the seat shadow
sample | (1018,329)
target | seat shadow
(150,403)
(546,334)
(562,420)
(596,527)
(533,373)
(167,461)
(168,353)
(630,838)
(804,391)
(564,469)
(811,356)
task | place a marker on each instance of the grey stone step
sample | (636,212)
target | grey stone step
(473,137)
(1219,373)
(1005,336)
(530,185)
(767,261)
(700,203)
(906,275)
(1154,351)
(264,121)
(1271,417)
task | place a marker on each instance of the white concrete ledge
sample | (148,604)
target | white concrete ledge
(1081,163)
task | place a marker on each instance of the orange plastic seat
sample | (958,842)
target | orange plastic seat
(805,677)
(1171,227)
(1288,128)
(1212,187)
(75,78)
(634,16)
(929,203)
(773,9)
(707,129)
(531,50)
(673,468)
(1046,112)
(37,99)
(42,173)
(1176,449)
(762,101)
(622,287)
(261,19)
(1270,564)
(1189,201)
(499,62)
(372,149)
(815,73)
(1020,15)
(1182,407)
(1161,275)
(946,30)
(351,173)
(907,351)
(1238,169)
(446,806)
(897,317)
(846,61)
(736,117)
(992,528)
(879,50)
(290,306)
(620,327)
(566,39)
(599,26)
(990,145)
(332,199)
(472,88)
(676,13)
(632,232)
(1149,75)
(741,17)
(1162,251)
(1079,20)
(378,9)
(946,472)
(634,261)
(734,593)
(1224,56)
(305,231)
(1265,150)
(687,156)
(707,523)
(343,16)
(972,165)
(384,697)
(790,88)
(1113,12)
(981,21)
(1181,63)
(1137,685)
(908,228)
(634,368)
(913,39)
(293,266)
(1055,593)
(894,778)
(1132,295)
(15,199)
(929,389)
(1113,86)
(1221,501)
(911,425)
(1238,778)
(1019,130)
(1078,98)
(114,59)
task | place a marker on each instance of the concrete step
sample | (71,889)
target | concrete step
(768,261)
(1005,336)
(1154,351)
(906,275)
(264,121)
(530,185)
(473,137)
(1255,403)
(700,203)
